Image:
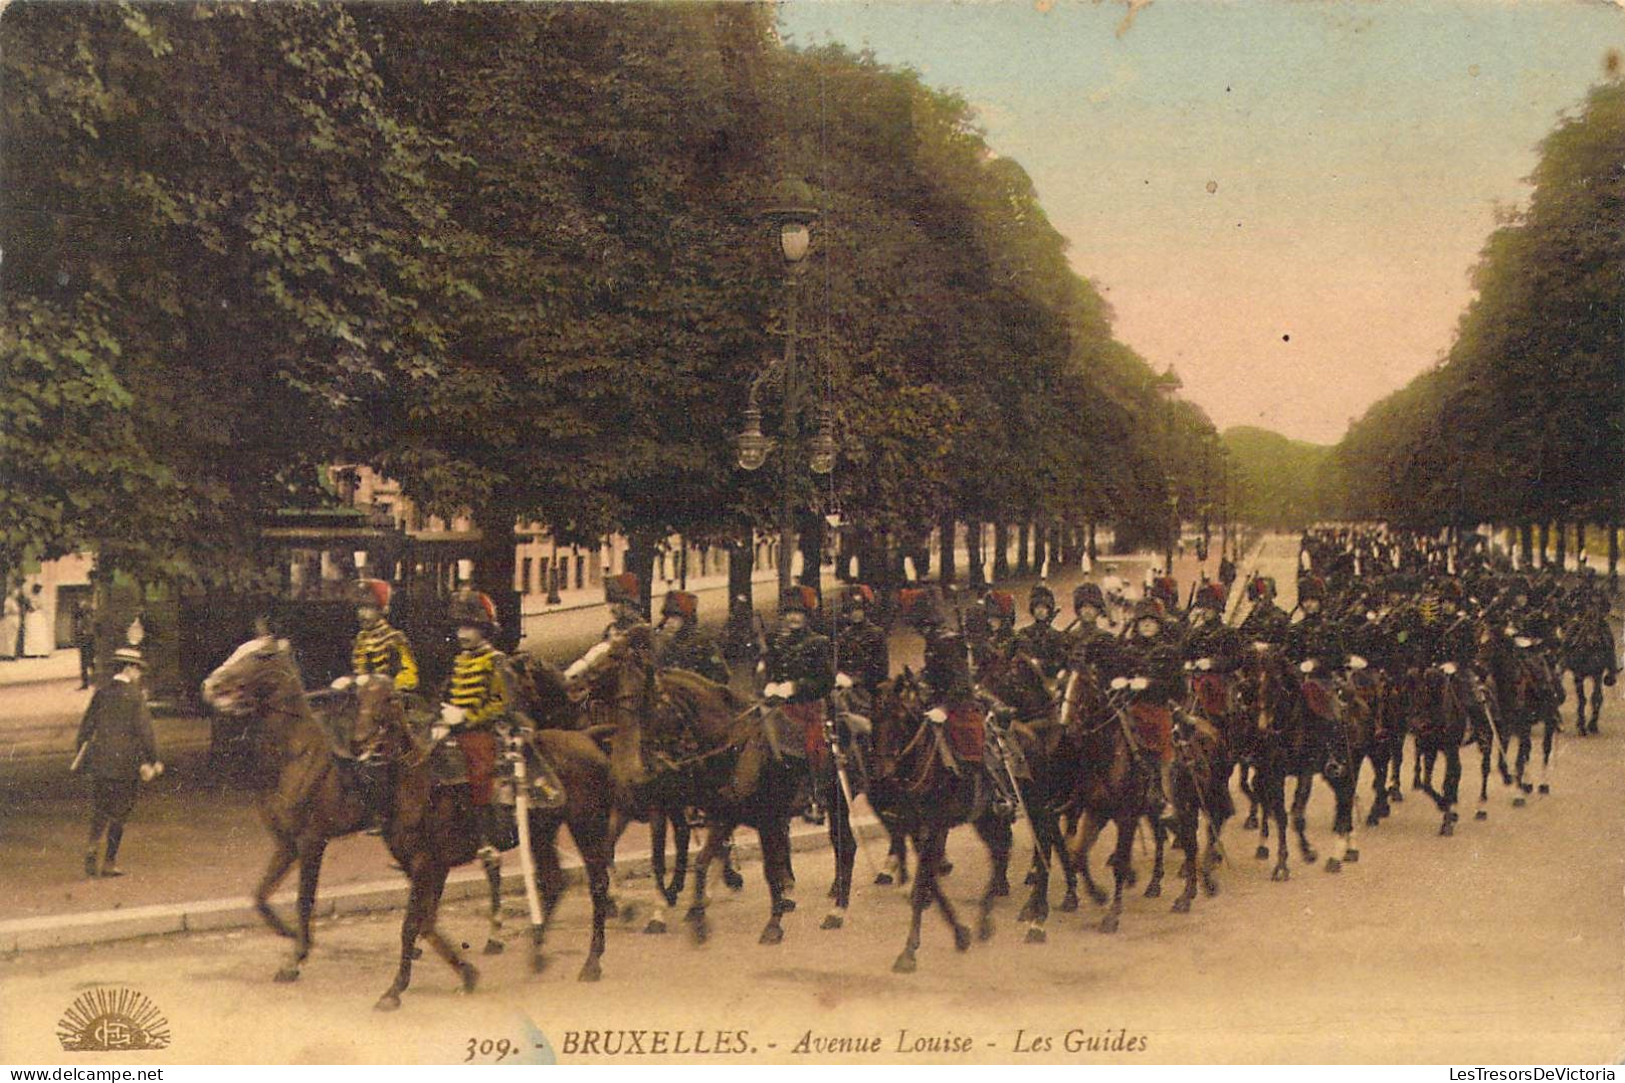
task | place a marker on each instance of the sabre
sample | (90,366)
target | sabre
(839,759)
(527,862)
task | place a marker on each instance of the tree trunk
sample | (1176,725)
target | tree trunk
(1526,545)
(1024,538)
(945,549)
(494,563)
(640,561)
(810,540)
(1094,553)
(741,567)
(1001,551)
(974,555)
(1545,539)
(1562,545)
(1613,556)
(1041,548)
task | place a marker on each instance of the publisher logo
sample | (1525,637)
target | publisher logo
(110,1020)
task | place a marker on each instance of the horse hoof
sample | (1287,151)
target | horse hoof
(471,977)
(1001,889)
(590,971)
(1352,856)
(1182,905)
(1262,853)
(945,867)
(773,934)
(417,953)
(1310,855)
(1447,829)
(832,921)
(787,905)
(1280,874)
(389,1002)
(1519,802)
(538,962)
(1108,924)
(1028,912)
(1526,787)
(961,938)
(1396,795)
(1130,878)
(656,927)
(1070,903)
(883,879)
(732,880)
(1333,865)
(1481,814)
(1373,820)
(1099,897)
(291,973)
(1032,878)
(905,964)
(1544,789)
(1211,886)
(493,947)
(1153,889)
(1036,935)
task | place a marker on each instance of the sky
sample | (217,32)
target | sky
(1281,198)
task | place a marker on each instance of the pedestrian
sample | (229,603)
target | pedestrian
(36,626)
(117,752)
(11,625)
(84,637)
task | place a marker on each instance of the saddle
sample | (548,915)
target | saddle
(966,731)
(1212,694)
(1321,699)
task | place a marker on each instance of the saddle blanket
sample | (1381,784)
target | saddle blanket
(1154,728)
(1320,698)
(1211,694)
(479,748)
(966,732)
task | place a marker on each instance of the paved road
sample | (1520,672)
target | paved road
(1503,944)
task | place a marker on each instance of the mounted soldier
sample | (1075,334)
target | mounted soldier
(1212,649)
(1148,668)
(1267,621)
(1089,642)
(622,593)
(1041,640)
(381,648)
(1000,608)
(861,649)
(687,646)
(800,672)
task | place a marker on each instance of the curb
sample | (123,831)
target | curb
(214,915)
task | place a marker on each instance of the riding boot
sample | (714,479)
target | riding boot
(747,771)
(1165,779)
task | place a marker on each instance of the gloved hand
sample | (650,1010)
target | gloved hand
(343,684)
(452,716)
(842,681)
(777,690)
(439,733)
(150,771)
(937,715)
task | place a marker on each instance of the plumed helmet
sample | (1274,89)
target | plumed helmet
(1311,586)
(1000,603)
(799,599)
(1087,594)
(921,607)
(371,592)
(858,596)
(1040,595)
(1165,588)
(129,656)
(1149,608)
(473,608)
(621,589)
(1211,596)
(680,603)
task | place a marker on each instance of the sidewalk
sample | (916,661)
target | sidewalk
(59,666)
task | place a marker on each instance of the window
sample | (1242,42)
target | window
(581,572)
(524,576)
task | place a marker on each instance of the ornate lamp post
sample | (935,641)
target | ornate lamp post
(792,212)
(1167,386)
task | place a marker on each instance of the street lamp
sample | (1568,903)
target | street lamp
(792,211)
(1167,386)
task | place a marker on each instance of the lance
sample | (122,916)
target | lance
(527,861)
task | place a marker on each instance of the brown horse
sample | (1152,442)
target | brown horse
(1114,784)
(916,792)
(681,741)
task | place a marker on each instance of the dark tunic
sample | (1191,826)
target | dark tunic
(864,655)
(691,649)
(118,727)
(1045,644)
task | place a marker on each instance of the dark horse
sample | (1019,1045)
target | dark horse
(1588,654)
(919,790)
(1114,781)
(680,741)
(1526,693)
(314,798)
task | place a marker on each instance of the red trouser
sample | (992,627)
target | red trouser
(480,750)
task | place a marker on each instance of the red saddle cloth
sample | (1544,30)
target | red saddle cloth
(1210,694)
(1320,698)
(480,750)
(966,728)
(810,717)
(1154,728)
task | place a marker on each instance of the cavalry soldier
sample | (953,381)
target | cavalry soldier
(1451,642)
(621,592)
(380,647)
(478,696)
(1315,645)
(861,650)
(688,647)
(1000,606)
(1088,642)
(800,673)
(1041,640)
(1212,649)
(1150,658)
(1267,621)
(1165,589)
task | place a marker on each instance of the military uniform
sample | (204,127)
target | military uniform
(689,647)
(1041,640)
(379,647)
(1267,621)
(862,650)
(1155,658)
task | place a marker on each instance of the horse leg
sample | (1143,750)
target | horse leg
(310,871)
(1121,856)
(1275,806)
(1159,834)
(492,863)
(924,877)
(1396,794)
(1247,789)
(411,925)
(845,845)
(1186,823)
(1086,832)
(281,861)
(437,940)
(1547,737)
(938,847)
(1452,784)
(996,833)
(596,855)
(718,831)
(1343,791)
(1000,883)
(1300,821)
(1379,758)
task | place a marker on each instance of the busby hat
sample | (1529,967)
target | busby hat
(372,593)
(858,596)
(1000,603)
(1087,594)
(621,589)
(1040,595)
(1211,596)
(799,599)
(471,607)
(680,603)
(1165,588)
(1149,608)
(921,607)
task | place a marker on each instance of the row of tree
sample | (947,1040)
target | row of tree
(512,256)
(1523,422)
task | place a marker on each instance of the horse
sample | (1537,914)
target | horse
(1588,655)
(680,741)
(1439,721)
(1305,733)
(1524,683)
(1113,781)
(919,789)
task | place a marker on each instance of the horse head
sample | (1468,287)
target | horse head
(259,675)
(546,693)
(616,672)
(380,714)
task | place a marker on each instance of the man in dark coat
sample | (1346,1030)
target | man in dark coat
(687,646)
(84,637)
(861,650)
(1041,640)
(117,752)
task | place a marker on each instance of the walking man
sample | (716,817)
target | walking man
(117,752)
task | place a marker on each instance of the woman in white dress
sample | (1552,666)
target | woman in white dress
(38,642)
(11,626)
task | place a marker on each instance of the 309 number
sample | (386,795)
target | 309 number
(498,1048)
